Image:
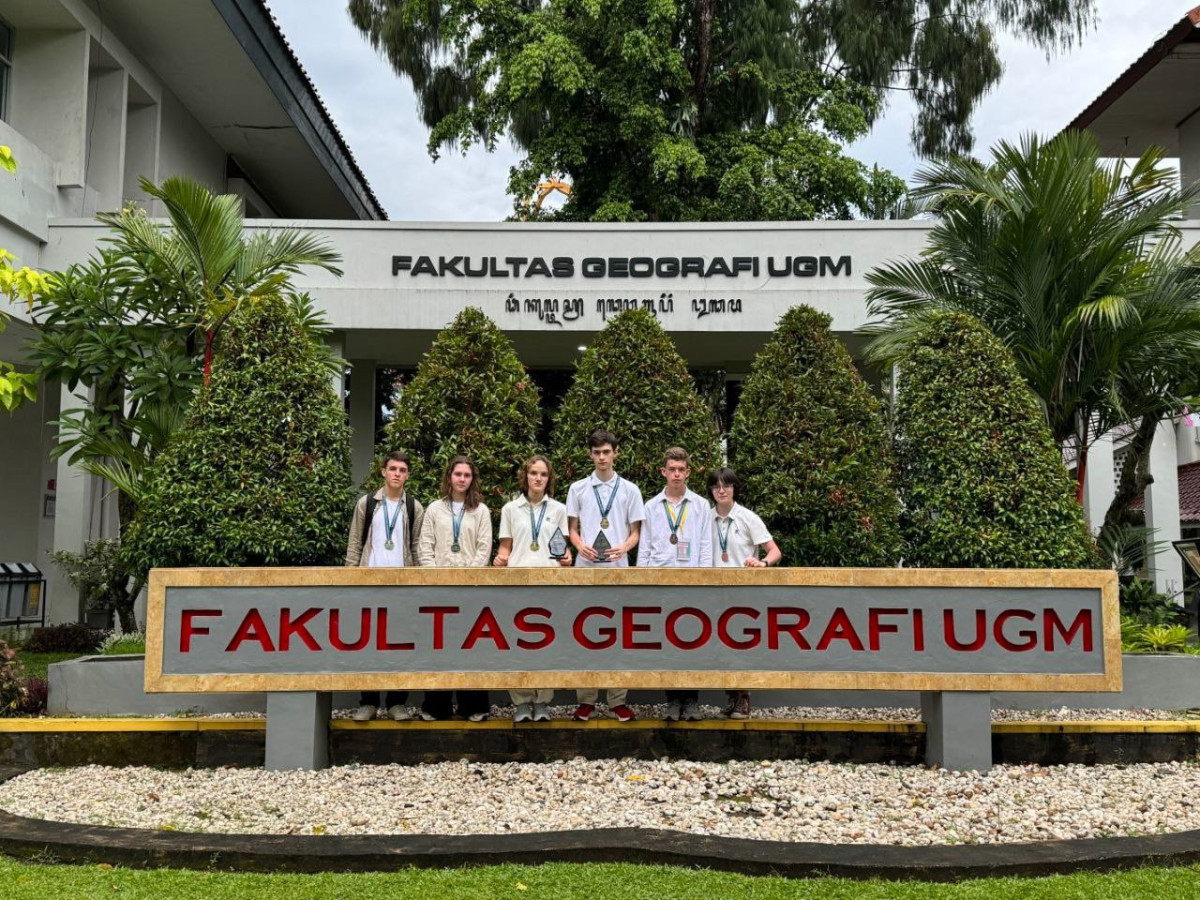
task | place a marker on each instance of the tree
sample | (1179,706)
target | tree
(204,259)
(632,381)
(1077,267)
(981,481)
(472,396)
(259,474)
(643,105)
(23,284)
(812,452)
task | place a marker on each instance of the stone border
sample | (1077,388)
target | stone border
(42,840)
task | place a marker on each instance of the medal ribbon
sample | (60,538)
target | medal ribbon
(390,526)
(537,529)
(675,524)
(456,521)
(723,536)
(604,510)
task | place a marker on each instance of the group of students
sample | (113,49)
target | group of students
(604,518)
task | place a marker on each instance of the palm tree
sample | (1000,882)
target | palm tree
(1076,266)
(204,257)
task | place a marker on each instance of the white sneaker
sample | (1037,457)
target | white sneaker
(477,717)
(541,713)
(364,713)
(427,717)
(524,713)
(400,713)
(674,711)
(691,712)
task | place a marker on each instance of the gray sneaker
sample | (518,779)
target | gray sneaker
(691,712)
(524,713)
(400,713)
(541,713)
(741,707)
(427,717)
(477,717)
(673,711)
(364,713)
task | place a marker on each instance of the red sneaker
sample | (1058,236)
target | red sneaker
(583,713)
(623,713)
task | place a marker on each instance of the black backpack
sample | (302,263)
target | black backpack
(410,508)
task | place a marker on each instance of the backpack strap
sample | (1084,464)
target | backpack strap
(410,507)
(369,515)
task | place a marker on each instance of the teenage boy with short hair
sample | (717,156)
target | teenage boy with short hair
(384,532)
(604,505)
(677,534)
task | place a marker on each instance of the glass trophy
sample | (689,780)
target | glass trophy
(601,546)
(558,545)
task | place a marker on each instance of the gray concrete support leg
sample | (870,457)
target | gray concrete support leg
(298,730)
(958,729)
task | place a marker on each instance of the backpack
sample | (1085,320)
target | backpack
(410,509)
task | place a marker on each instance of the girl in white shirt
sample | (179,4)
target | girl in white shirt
(738,537)
(526,526)
(456,532)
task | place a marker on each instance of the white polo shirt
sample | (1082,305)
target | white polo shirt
(626,508)
(746,532)
(515,523)
(380,554)
(695,544)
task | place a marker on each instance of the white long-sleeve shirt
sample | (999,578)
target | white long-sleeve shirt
(694,533)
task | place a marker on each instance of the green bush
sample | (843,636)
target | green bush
(811,449)
(632,381)
(981,480)
(472,396)
(70,637)
(259,474)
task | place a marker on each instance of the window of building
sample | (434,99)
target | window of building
(6,37)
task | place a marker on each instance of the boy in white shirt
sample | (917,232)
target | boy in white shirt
(738,536)
(604,504)
(677,533)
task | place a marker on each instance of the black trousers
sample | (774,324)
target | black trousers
(440,704)
(390,699)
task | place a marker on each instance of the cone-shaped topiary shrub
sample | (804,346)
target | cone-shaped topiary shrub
(470,395)
(981,480)
(259,474)
(811,449)
(633,382)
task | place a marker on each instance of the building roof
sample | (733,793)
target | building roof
(1189,494)
(1150,99)
(272,55)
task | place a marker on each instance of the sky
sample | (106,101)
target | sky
(377,114)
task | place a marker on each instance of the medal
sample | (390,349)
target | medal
(723,537)
(390,524)
(675,522)
(535,528)
(724,556)
(606,508)
(456,525)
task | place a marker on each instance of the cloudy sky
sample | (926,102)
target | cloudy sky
(376,110)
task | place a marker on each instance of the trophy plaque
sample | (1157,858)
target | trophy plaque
(601,546)
(558,545)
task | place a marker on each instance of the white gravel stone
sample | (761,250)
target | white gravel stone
(780,800)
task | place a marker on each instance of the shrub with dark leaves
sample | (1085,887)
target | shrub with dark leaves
(67,638)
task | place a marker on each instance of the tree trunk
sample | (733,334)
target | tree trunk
(704,21)
(208,355)
(1135,477)
(1081,462)
(126,618)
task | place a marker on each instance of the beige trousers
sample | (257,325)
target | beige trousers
(614,696)
(530,695)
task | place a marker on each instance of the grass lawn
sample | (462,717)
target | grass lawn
(564,882)
(36,663)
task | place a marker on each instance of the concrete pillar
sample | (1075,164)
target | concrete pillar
(1162,510)
(1187,450)
(362,417)
(337,344)
(1099,481)
(1189,158)
(75,502)
(298,730)
(958,729)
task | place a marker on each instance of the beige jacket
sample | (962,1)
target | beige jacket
(358,553)
(437,535)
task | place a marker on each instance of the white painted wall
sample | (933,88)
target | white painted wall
(185,147)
